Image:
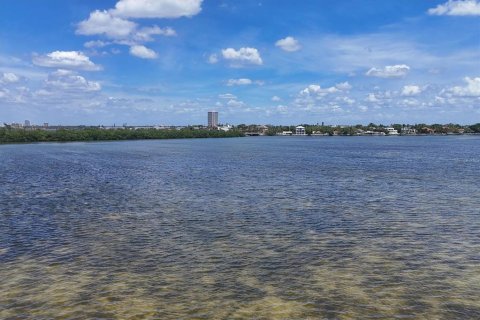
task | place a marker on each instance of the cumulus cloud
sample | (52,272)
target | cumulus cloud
(142,52)
(276,98)
(315,90)
(242,56)
(371,97)
(343,86)
(66,59)
(411,90)
(15,94)
(102,22)
(289,44)
(396,71)
(472,89)
(120,30)
(69,81)
(316,97)
(157,8)
(345,100)
(8,77)
(457,8)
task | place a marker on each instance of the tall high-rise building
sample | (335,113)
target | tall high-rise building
(212,119)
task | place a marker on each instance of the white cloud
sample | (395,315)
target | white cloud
(242,56)
(243,81)
(289,44)
(396,71)
(346,100)
(235,103)
(121,30)
(157,8)
(145,34)
(457,8)
(69,81)
(114,23)
(102,22)
(314,97)
(66,59)
(472,89)
(227,96)
(315,90)
(15,95)
(276,98)
(411,90)
(410,102)
(9,77)
(142,52)
(213,58)
(239,82)
(371,97)
(343,86)
(336,108)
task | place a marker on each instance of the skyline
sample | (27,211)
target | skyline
(84,62)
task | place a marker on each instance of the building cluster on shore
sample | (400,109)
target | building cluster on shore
(299,130)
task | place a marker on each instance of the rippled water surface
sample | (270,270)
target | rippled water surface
(264,228)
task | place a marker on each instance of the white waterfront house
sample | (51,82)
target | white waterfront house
(391,131)
(300,131)
(409,130)
(225,128)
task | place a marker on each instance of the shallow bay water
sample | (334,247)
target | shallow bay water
(241,228)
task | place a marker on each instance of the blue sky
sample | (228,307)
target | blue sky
(263,61)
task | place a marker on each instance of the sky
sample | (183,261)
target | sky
(169,62)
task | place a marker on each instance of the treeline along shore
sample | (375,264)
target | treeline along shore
(376,129)
(18,135)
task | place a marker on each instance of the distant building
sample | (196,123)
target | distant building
(391,131)
(226,128)
(299,130)
(409,130)
(212,119)
(27,123)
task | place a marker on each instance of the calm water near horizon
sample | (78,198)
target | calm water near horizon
(242,228)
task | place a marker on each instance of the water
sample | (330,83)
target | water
(264,228)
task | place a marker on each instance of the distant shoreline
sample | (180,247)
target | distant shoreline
(378,135)
(21,141)
(12,136)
